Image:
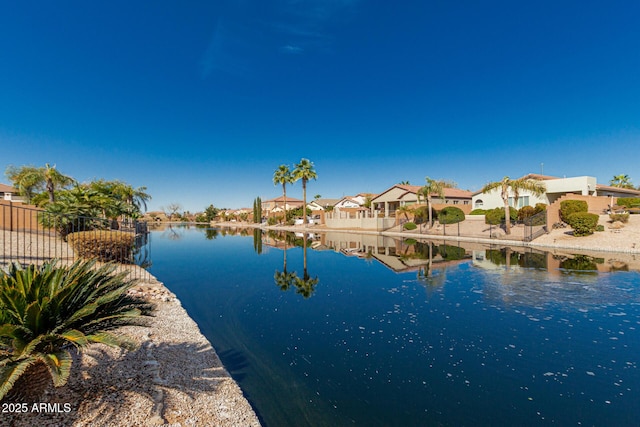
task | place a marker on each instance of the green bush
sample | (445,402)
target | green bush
(526,212)
(496,216)
(104,245)
(477,212)
(583,223)
(568,207)
(451,215)
(410,226)
(628,202)
(622,217)
(272,220)
(600,227)
(540,207)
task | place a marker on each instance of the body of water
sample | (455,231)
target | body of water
(370,331)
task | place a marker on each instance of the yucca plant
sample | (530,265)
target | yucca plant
(48,311)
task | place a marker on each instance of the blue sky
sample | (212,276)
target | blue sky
(201,101)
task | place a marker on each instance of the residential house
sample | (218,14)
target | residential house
(387,202)
(557,188)
(322,204)
(276,205)
(10,194)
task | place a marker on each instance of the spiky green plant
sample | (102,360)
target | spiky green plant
(48,311)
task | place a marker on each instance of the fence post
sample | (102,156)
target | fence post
(10,215)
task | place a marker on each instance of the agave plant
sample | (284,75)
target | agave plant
(48,311)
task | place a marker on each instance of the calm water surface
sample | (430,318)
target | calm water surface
(387,337)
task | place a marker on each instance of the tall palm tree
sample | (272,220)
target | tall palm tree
(515,185)
(283,176)
(54,178)
(431,187)
(304,171)
(621,181)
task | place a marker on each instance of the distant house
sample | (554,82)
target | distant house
(556,188)
(387,202)
(350,203)
(276,205)
(322,204)
(9,193)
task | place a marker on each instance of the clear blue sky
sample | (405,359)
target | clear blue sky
(201,101)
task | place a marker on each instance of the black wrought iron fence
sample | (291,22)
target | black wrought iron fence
(535,226)
(30,235)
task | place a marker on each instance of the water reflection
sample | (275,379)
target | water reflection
(305,285)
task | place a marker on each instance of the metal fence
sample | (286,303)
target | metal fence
(29,235)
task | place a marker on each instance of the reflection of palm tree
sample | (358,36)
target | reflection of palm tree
(306,285)
(284,279)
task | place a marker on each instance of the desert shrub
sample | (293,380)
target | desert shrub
(622,217)
(583,223)
(105,245)
(410,226)
(600,227)
(50,312)
(628,202)
(477,212)
(272,220)
(568,207)
(451,215)
(540,207)
(496,216)
(526,212)
(410,242)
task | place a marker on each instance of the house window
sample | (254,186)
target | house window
(466,202)
(479,203)
(455,202)
(522,201)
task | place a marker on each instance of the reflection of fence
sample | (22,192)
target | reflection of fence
(29,235)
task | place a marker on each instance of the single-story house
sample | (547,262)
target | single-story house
(387,202)
(556,188)
(9,193)
(322,204)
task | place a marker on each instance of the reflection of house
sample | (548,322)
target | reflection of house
(9,193)
(277,205)
(399,195)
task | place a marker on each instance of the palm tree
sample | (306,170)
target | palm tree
(431,187)
(53,178)
(621,181)
(29,178)
(283,176)
(47,311)
(515,185)
(304,171)
(405,210)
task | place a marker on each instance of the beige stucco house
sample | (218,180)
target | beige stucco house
(387,202)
